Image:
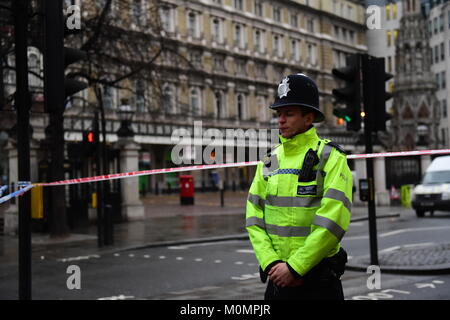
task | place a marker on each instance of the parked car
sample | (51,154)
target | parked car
(433,193)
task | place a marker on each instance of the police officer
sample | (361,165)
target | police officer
(299,203)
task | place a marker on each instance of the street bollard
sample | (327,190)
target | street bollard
(221,193)
(109,226)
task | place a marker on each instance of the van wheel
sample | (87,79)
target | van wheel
(420,213)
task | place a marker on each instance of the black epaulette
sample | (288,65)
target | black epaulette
(336,146)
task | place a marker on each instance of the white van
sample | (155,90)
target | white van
(434,191)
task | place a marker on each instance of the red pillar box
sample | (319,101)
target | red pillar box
(186,189)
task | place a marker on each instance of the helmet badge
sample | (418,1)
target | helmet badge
(283,88)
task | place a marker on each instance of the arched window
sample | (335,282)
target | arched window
(218,105)
(168,99)
(34,65)
(240,106)
(140,93)
(195,102)
(108,97)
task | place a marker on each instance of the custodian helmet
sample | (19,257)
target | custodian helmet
(298,90)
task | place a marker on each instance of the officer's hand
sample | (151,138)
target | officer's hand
(282,277)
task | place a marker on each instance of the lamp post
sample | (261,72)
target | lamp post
(125,113)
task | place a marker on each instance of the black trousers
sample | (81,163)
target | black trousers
(312,289)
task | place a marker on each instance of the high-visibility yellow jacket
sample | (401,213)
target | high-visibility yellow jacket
(299,222)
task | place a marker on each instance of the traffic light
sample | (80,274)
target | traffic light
(380,96)
(57,87)
(350,95)
(90,140)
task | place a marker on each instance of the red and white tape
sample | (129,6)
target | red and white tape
(228,165)
(205,167)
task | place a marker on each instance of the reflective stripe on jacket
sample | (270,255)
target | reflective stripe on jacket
(299,222)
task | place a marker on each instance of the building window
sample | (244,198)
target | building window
(217,1)
(277,14)
(444,108)
(240,67)
(277,45)
(442,52)
(108,97)
(261,70)
(441,22)
(388,37)
(168,99)
(349,12)
(239,35)
(312,53)
(193,28)
(35,66)
(435,25)
(295,52)
(136,12)
(240,106)
(139,96)
(448,19)
(388,12)
(238,4)
(337,33)
(436,54)
(217,34)
(310,25)
(294,20)
(258,8)
(219,108)
(166,14)
(443,80)
(394,10)
(195,102)
(258,41)
(219,63)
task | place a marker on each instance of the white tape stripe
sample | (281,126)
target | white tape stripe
(398,154)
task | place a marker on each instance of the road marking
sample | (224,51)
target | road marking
(396,232)
(425,244)
(238,262)
(177,247)
(79,258)
(179,258)
(146,256)
(244,251)
(217,261)
(131,255)
(390,249)
(246,276)
(198,259)
(425,285)
(116,254)
(162,257)
(119,297)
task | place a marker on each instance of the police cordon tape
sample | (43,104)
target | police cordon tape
(201,167)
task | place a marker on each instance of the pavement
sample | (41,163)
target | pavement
(167,223)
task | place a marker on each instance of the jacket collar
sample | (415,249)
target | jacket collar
(299,142)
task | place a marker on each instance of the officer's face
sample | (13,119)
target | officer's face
(291,121)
